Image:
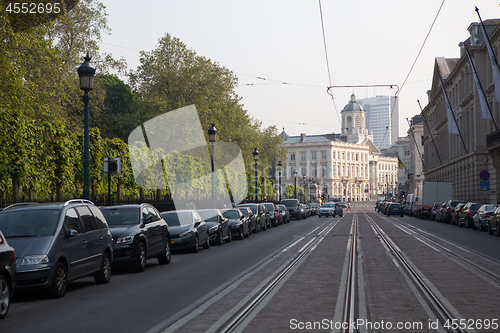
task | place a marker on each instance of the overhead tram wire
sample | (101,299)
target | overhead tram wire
(327,63)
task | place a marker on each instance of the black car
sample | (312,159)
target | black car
(252,223)
(187,230)
(218,226)
(139,233)
(7,275)
(56,243)
(293,207)
(238,223)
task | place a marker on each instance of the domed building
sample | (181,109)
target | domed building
(354,122)
(344,165)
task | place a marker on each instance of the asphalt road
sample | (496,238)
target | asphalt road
(137,302)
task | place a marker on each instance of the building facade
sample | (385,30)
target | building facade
(470,160)
(347,165)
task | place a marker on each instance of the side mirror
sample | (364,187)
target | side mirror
(149,218)
(72,233)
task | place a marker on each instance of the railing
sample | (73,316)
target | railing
(493,138)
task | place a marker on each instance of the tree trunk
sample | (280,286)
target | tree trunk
(15,189)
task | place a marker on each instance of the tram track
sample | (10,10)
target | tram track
(440,307)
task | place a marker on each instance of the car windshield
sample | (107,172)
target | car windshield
(244,212)
(328,205)
(269,206)
(29,223)
(397,206)
(252,207)
(475,206)
(209,215)
(122,216)
(177,218)
(231,214)
(289,203)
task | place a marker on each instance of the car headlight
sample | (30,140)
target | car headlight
(236,225)
(125,240)
(186,234)
(214,228)
(35,259)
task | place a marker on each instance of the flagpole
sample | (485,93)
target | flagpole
(430,133)
(493,59)
(448,105)
(480,86)
(416,145)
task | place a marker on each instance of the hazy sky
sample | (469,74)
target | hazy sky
(368,43)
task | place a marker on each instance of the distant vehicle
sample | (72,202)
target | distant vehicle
(273,213)
(394,208)
(293,207)
(448,210)
(139,233)
(434,209)
(57,243)
(261,215)
(7,275)
(494,225)
(427,193)
(285,214)
(251,218)
(466,215)
(188,230)
(330,209)
(343,204)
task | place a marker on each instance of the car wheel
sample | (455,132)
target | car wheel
(220,241)
(196,246)
(59,281)
(5,294)
(207,243)
(166,256)
(140,262)
(263,228)
(104,274)
(229,237)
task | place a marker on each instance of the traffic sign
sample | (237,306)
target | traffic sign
(484,185)
(484,175)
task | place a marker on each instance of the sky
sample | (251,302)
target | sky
(276,49)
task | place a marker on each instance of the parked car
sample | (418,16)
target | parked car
(7,275)
(139,233)
(434,209)
(494,225)
(285,214)
(465,217)
(440,212)
(330,209)
(219,229)
(238,223)
(252,224)
(343,204)
(188,230)
(261,215)
(448,210)
(304,213)
(273,213)
(57,243)
(293,207)
(455,213)
(482,218)
(394,208)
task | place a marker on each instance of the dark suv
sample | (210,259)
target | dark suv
(293,207)
(58,242)
(7,273)
(139,233)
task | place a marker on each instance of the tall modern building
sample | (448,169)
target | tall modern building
(382,119)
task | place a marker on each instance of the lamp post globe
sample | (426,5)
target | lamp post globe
(256,158)
(86,74)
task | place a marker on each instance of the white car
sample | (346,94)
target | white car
(330,209)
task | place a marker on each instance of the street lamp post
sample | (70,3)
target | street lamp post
(255,158)
(212,134)
(304,178)
(295,187)
(86,74)
(279,176)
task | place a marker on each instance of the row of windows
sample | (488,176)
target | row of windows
(338,171)
(340,155)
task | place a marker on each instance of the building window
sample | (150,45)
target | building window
(303,171)
(323,171)
(407,167)
(422,140)
(292,156)
(323,155)
(407,151)
(313,155)
(303,156)
(292,171)
(333,155)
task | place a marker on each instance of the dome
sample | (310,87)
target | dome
(352,105)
